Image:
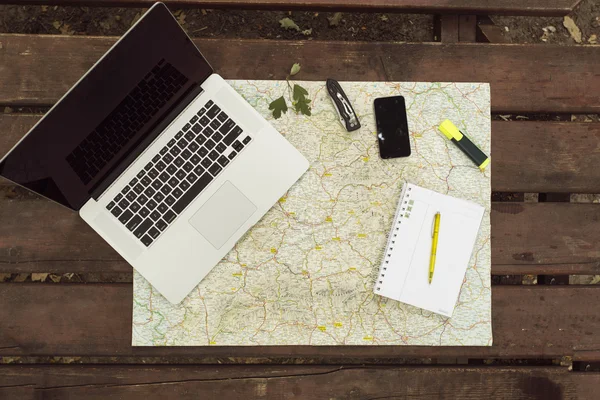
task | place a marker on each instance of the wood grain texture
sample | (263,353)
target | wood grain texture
(512,7)
(95,320)
(467,28)
(38,69)
(294,382)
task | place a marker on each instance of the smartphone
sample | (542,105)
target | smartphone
(392,127)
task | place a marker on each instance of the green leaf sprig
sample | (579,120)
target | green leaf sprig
(298,95)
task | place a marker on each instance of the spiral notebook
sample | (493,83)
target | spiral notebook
(403,275)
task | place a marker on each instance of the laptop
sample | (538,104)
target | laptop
(159,155)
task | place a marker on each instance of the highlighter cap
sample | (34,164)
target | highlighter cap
(450,130)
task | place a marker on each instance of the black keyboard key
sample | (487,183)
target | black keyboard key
(153,173)
(200,139)
(194,119)
(186,154)
(147,240)
(192,193)
(161,225)
(231,136)
(148,167)
(180,174)
(203,122)
(171,169)
(171,142)
(208,132)
(142,199)
(144,226)
(215,124)
(195,159)
(189,136)
(159,197)
(222,116)
(146,180)
(215,169)
(223,161)
(232,154)
(197,128)
(175,151)
(169,200)
(149,191)
(217,137)
(116,211)
(198,170)
(134,207)
(182,143)
(178,161)
(213,155)
(133,182)
(184,185)
(186,127)
(201,112)
(188,166)
(160,166)
(157,184)
(123,204)
(140,174)
(126,189)
(151,204)
(237,145)
(118,197)
(138,188)
(131,196)
(210,144)
(179,134)
(176,193)
(125,216)
(208,104)
(168,158)
(192,178)
(227,126)
(155,215)
(221,148)
(202,151)
(134,222)
(169,216)
(156,159)
(144,212)
(246,140)
(193,146)
(173,182)
(206,162)
(153,232)
(164,150)
(166,189)
(213,111)
(162,207)
(164,177)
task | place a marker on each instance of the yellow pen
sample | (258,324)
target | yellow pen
(434,234)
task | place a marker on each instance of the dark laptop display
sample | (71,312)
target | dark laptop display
(112,114)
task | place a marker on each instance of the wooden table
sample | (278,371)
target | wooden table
(45,325)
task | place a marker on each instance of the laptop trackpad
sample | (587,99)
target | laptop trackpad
(222,215)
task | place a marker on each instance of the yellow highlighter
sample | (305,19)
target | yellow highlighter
(464,143)
(434,242)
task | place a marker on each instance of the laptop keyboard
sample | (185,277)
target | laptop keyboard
(178,173)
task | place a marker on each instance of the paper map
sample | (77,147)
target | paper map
(304,274)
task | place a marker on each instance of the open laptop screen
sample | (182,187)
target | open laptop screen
(84,138)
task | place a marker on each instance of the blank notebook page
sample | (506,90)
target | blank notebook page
(404,271)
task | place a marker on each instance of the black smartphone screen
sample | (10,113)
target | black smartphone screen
(392,127)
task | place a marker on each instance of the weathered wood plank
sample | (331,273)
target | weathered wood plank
(95,320)
(524,78)
(291,382)
(512,7)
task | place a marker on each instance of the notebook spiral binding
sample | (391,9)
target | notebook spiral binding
(400,212)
